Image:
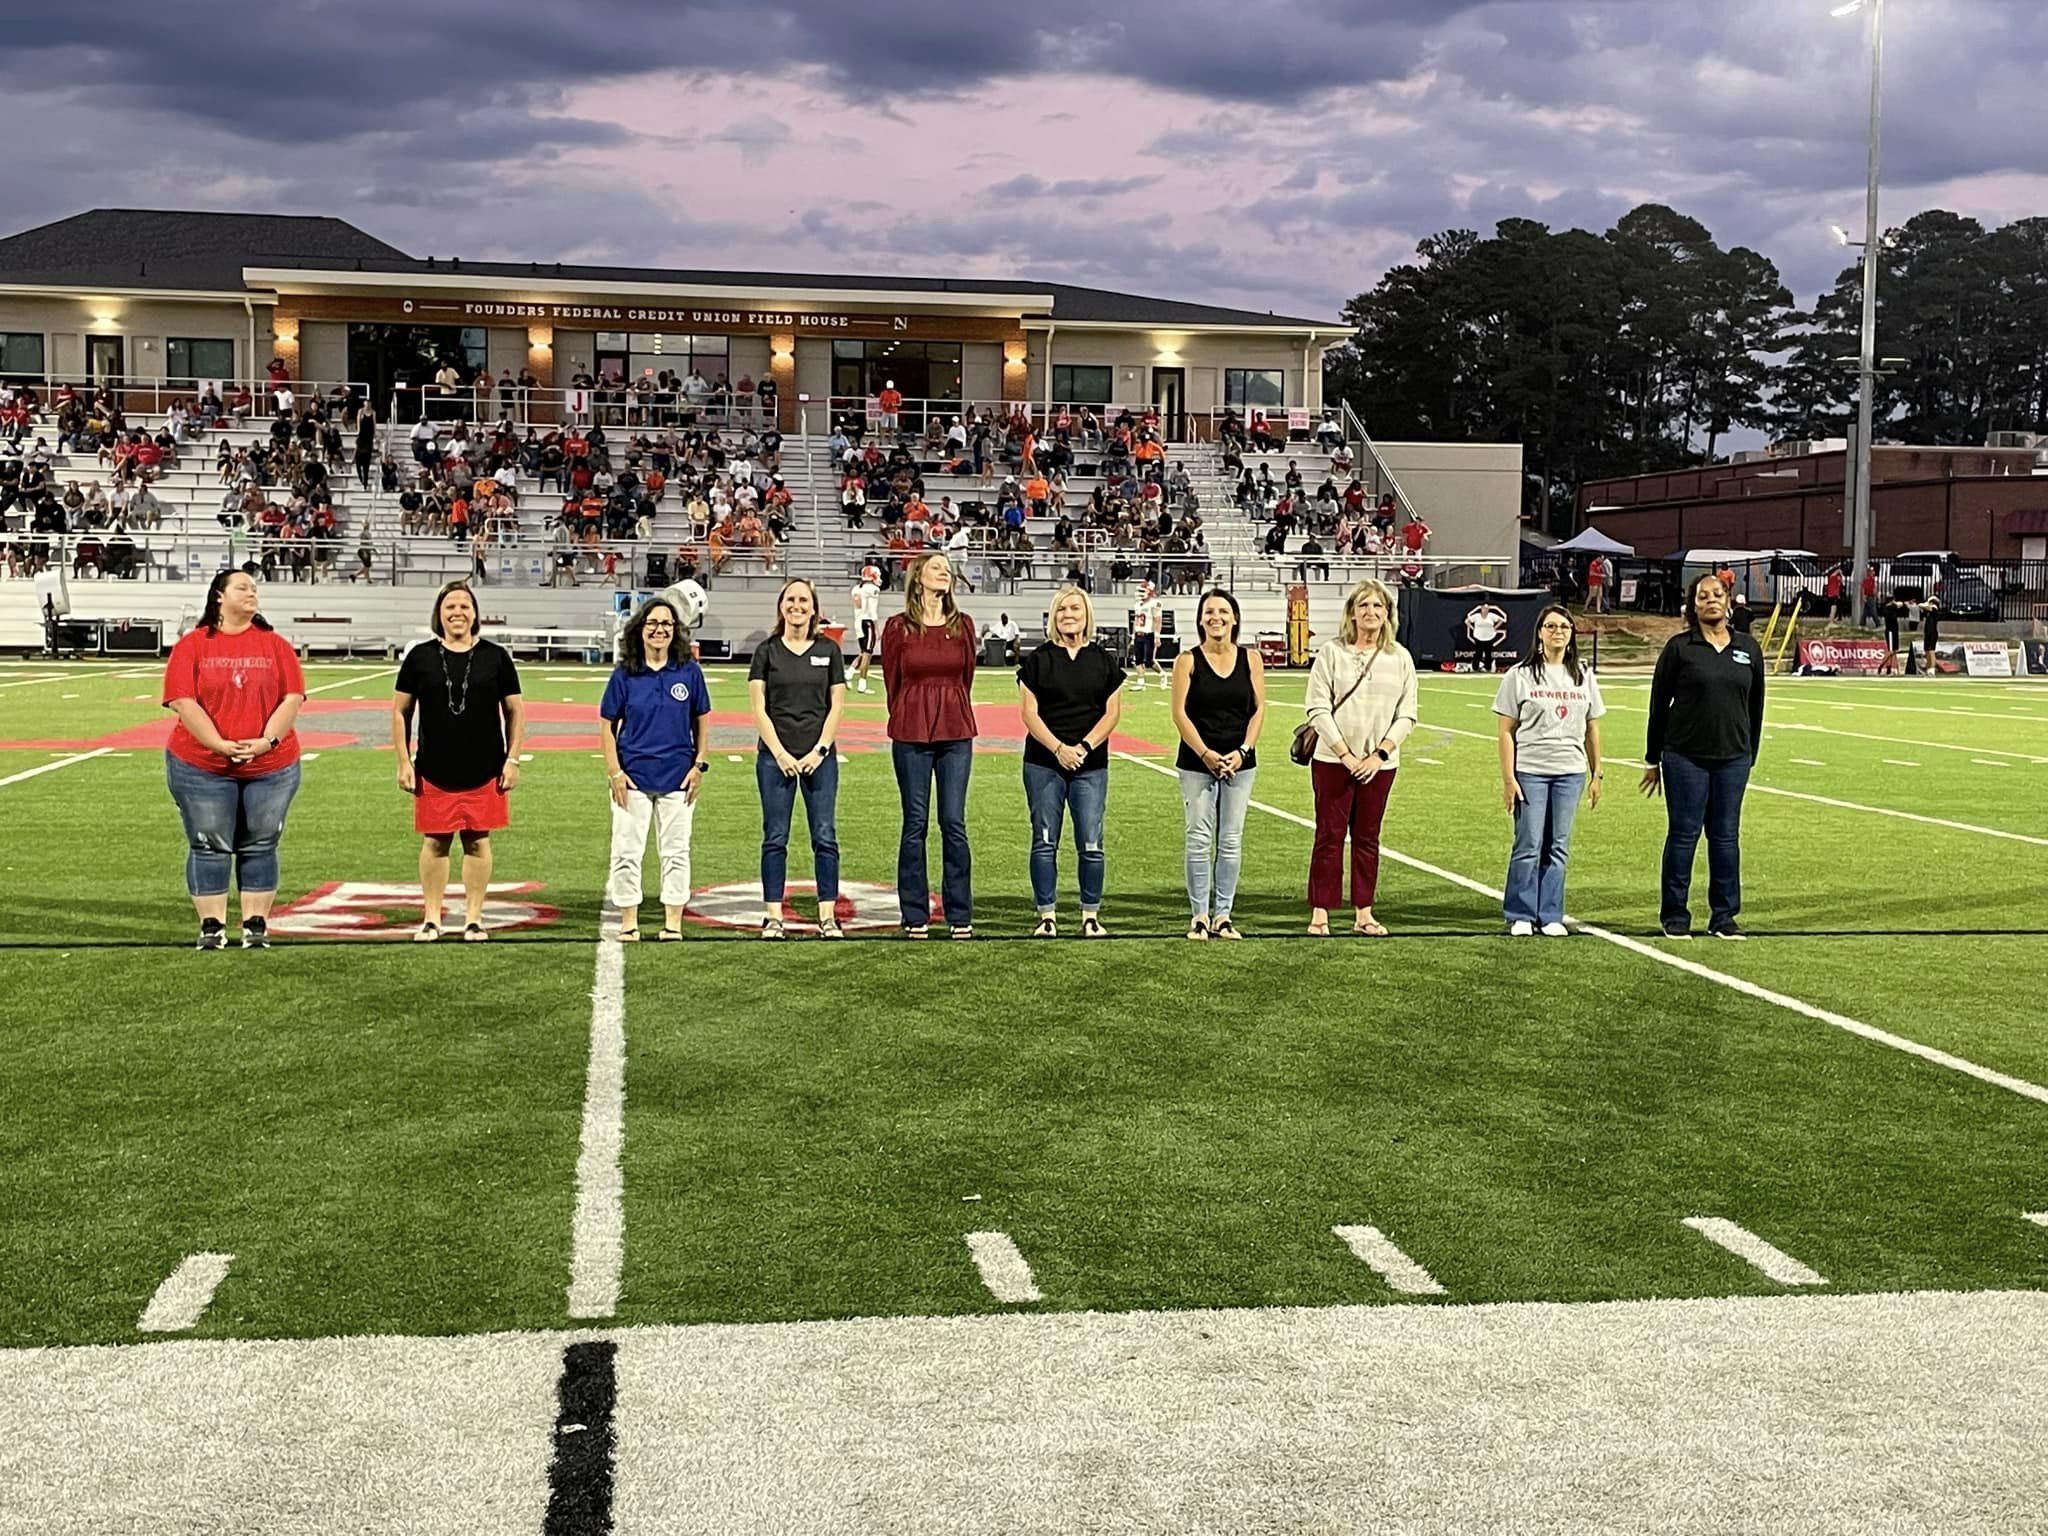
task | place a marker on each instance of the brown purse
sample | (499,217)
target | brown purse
(1303,748)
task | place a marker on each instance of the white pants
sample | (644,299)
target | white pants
(672,816)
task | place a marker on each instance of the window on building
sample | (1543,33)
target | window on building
(1081,384)
(1260,388)
(21,354)
(921,370)
(631,354)
(188,359)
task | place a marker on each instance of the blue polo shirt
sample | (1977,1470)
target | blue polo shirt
(658,734)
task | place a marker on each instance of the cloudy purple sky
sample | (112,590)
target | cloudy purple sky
(1278,155)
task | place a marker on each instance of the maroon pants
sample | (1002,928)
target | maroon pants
(1345,805)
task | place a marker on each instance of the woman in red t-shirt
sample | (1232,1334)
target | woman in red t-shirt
(928,671)
(233,759)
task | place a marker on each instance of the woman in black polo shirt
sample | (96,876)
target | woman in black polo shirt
(1071,705)
(1706,724)
(798,687)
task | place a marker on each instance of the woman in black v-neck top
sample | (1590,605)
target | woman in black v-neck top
(1219,705)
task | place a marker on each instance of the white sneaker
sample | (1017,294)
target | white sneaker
(1138,686)
(1521,930)
(1556,931)
(863,688)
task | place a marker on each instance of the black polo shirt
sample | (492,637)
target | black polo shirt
(1705,704)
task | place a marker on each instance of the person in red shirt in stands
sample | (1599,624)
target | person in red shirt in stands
(928,654)
(1415,535)
(889,402)
(233,758)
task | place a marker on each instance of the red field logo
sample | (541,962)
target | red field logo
(861,905)
(355,909)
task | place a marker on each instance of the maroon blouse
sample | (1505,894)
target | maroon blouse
(929,676)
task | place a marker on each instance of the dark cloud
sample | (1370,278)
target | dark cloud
(1105,186)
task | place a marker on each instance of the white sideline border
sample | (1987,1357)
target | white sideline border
(1766,1258)
(598,1235)
(62,762)
(186,1293)
(1857,1027)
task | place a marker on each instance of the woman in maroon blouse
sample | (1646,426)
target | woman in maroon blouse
(928,669)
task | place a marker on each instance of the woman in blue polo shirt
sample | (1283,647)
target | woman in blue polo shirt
(654,709)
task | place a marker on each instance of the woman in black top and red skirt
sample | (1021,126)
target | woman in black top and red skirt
(457,721)
(1706,723)
(1219,705)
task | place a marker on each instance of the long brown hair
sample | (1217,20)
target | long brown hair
(913,594)
(782,624)
(1534,660)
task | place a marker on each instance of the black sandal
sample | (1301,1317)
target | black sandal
(427,933)
(1091,927)
(669,936)
(771,928)
(1198,929)
(474,933)
(1225,929)
(1048,927)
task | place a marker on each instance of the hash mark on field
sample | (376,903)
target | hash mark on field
(1989,762)
(1900,762)
(1753,1250)
(62,762)
(599,1238)
(1003,1269)
(186,1294)
(307,757)
(2038,1218)
(1372,1248)
(1809,762)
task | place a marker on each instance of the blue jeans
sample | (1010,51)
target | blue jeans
(1051,794)
(1212,812)
(1543,843)
(231,825)
(1703,795)
(918,763)
(778,807)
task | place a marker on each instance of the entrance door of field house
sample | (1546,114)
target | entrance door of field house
(104,359)
(1169,398)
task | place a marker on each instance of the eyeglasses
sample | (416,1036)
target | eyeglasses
(657,624)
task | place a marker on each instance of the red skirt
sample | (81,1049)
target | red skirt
(438,812)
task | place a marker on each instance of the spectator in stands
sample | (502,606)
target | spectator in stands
(1705,729)
(366,445)
(233,759)
(1361,702)
(890,404)
(797,685)
(1070,688)
(928,657)
(462,759)
(1549,710)
(1313,562)
(655,740)
(1219,708)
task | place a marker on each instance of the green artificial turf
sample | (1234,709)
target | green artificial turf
(386,1135)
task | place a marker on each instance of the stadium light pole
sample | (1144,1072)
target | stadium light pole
(1860,518)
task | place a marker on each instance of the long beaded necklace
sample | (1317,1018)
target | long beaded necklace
(457,702)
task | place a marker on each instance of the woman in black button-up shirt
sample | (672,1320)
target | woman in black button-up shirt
(1706,722)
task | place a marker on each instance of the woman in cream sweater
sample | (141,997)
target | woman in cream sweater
(1361,701)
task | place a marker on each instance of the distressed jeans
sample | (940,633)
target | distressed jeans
(1213,812)
(231,825)
(1052,794)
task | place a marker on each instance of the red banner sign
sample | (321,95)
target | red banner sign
(1845,655)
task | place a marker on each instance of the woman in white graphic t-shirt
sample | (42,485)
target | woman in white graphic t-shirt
(1549,707)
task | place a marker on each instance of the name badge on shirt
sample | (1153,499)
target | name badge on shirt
(1741,657)
(821,661)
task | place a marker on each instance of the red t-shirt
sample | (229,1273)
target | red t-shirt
(929,678)
(239,680)
(1413,535)
(890,401)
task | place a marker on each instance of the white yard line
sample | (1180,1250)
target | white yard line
(1372,1248)
(1899,762)
(1808,762)
(1895,741)
(1002,1267)
(30,682)
(1753,1250)
(343,682)
(599,1237)
(184,1297)
(2038,1218)
(62,762)
(1986,762)
(1839,1021)
(1827,800)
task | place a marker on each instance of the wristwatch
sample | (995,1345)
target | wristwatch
(1382,754)
(273,742)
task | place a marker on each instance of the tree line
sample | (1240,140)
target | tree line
(1641,349)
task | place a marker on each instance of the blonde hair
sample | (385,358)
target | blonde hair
(1347,631)
(913,594)
(1087,614)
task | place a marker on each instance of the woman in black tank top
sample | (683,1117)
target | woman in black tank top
(1219,706)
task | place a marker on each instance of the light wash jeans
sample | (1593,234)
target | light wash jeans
(1051,795)
(1213,810)
(231,825)
(1543,844)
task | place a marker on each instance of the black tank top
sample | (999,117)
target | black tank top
(1219,708)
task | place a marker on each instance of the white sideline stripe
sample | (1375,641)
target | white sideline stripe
(1857,1027)
(1002,1267)
(1895,741)
(1372,1248)
(2038,1218)
(599,1239)
(54,677)
(62,762)
(1753,1250)
(182,1298)
(343,682)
